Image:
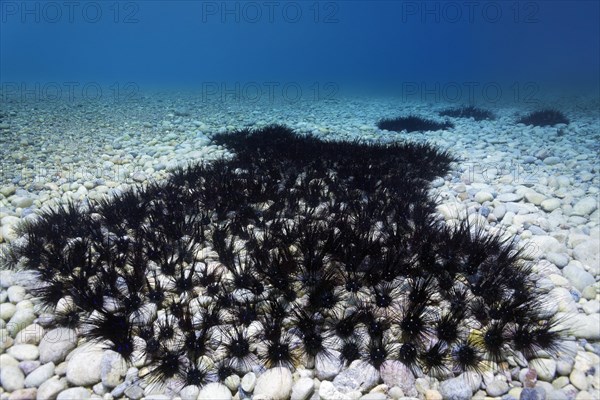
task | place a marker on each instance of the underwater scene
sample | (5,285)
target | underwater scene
(305,200)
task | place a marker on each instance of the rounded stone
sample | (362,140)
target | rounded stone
(578,379)
(275,383)
(455,389)
(7,310)
(24,352)
(214,391)
(248,382)
(56,344)
(550,205)
(302,389)
(79,393)
(16,294)
(545,368)
(12,378)
(40,375)
(497,388)
(84,368)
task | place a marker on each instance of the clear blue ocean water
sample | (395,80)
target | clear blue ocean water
(527,48)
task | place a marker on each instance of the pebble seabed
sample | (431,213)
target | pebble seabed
(539,184)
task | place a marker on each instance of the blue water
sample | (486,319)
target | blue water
(526,46)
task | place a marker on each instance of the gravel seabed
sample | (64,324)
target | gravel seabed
(541,185)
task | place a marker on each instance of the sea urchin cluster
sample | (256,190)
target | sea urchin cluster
(293,249)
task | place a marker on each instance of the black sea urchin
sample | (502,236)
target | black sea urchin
(412,123)
(293,248)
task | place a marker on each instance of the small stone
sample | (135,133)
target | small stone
(40,375)
(537,393)
(455,389)
(329,392)
(6,360)
(189,393)
(7,310)
(79,393)
(564,366)
(56,344)
(21,319)
(30,335)
(578,379)
(16,294)
(232,382)
(360,376)
(112,369)
(328,365)
(12,378)
(483,196)
(7,191)
(585,326)
(585,206)
(24,352)
(29,366)
(534,197)
(248,382)
(509,197)
(84,367)
(550,205)
(560,382)
(591,307)
(5,340)
(23,394)
(497,388)
(552,160)
(579,277)
(99,389)
(214,391)
(395,373)
(302,389)
(559,259)
(395,393)
(275,383)
(374,396)
(134,392)
(545,368)
(433,395)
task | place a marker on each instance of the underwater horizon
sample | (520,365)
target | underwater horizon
(297,200)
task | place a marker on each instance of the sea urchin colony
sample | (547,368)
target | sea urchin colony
(292,251)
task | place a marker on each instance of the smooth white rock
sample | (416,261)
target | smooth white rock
(248,382)
(16,294)
(275,383)
(585,326)
(550,205)
(24,352)
(7,310)
(84,367)
(11,378)
(40,375)
(189,393)
(455,389)
(113,368)
(329,392)
(360,376)
(32,334)
(21,319)
(585,206)
(395,373)
(214,391)
(579,277)
(303,389)
(79,393)
(497,388)
(56,344)
(578,379)
(545,368)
